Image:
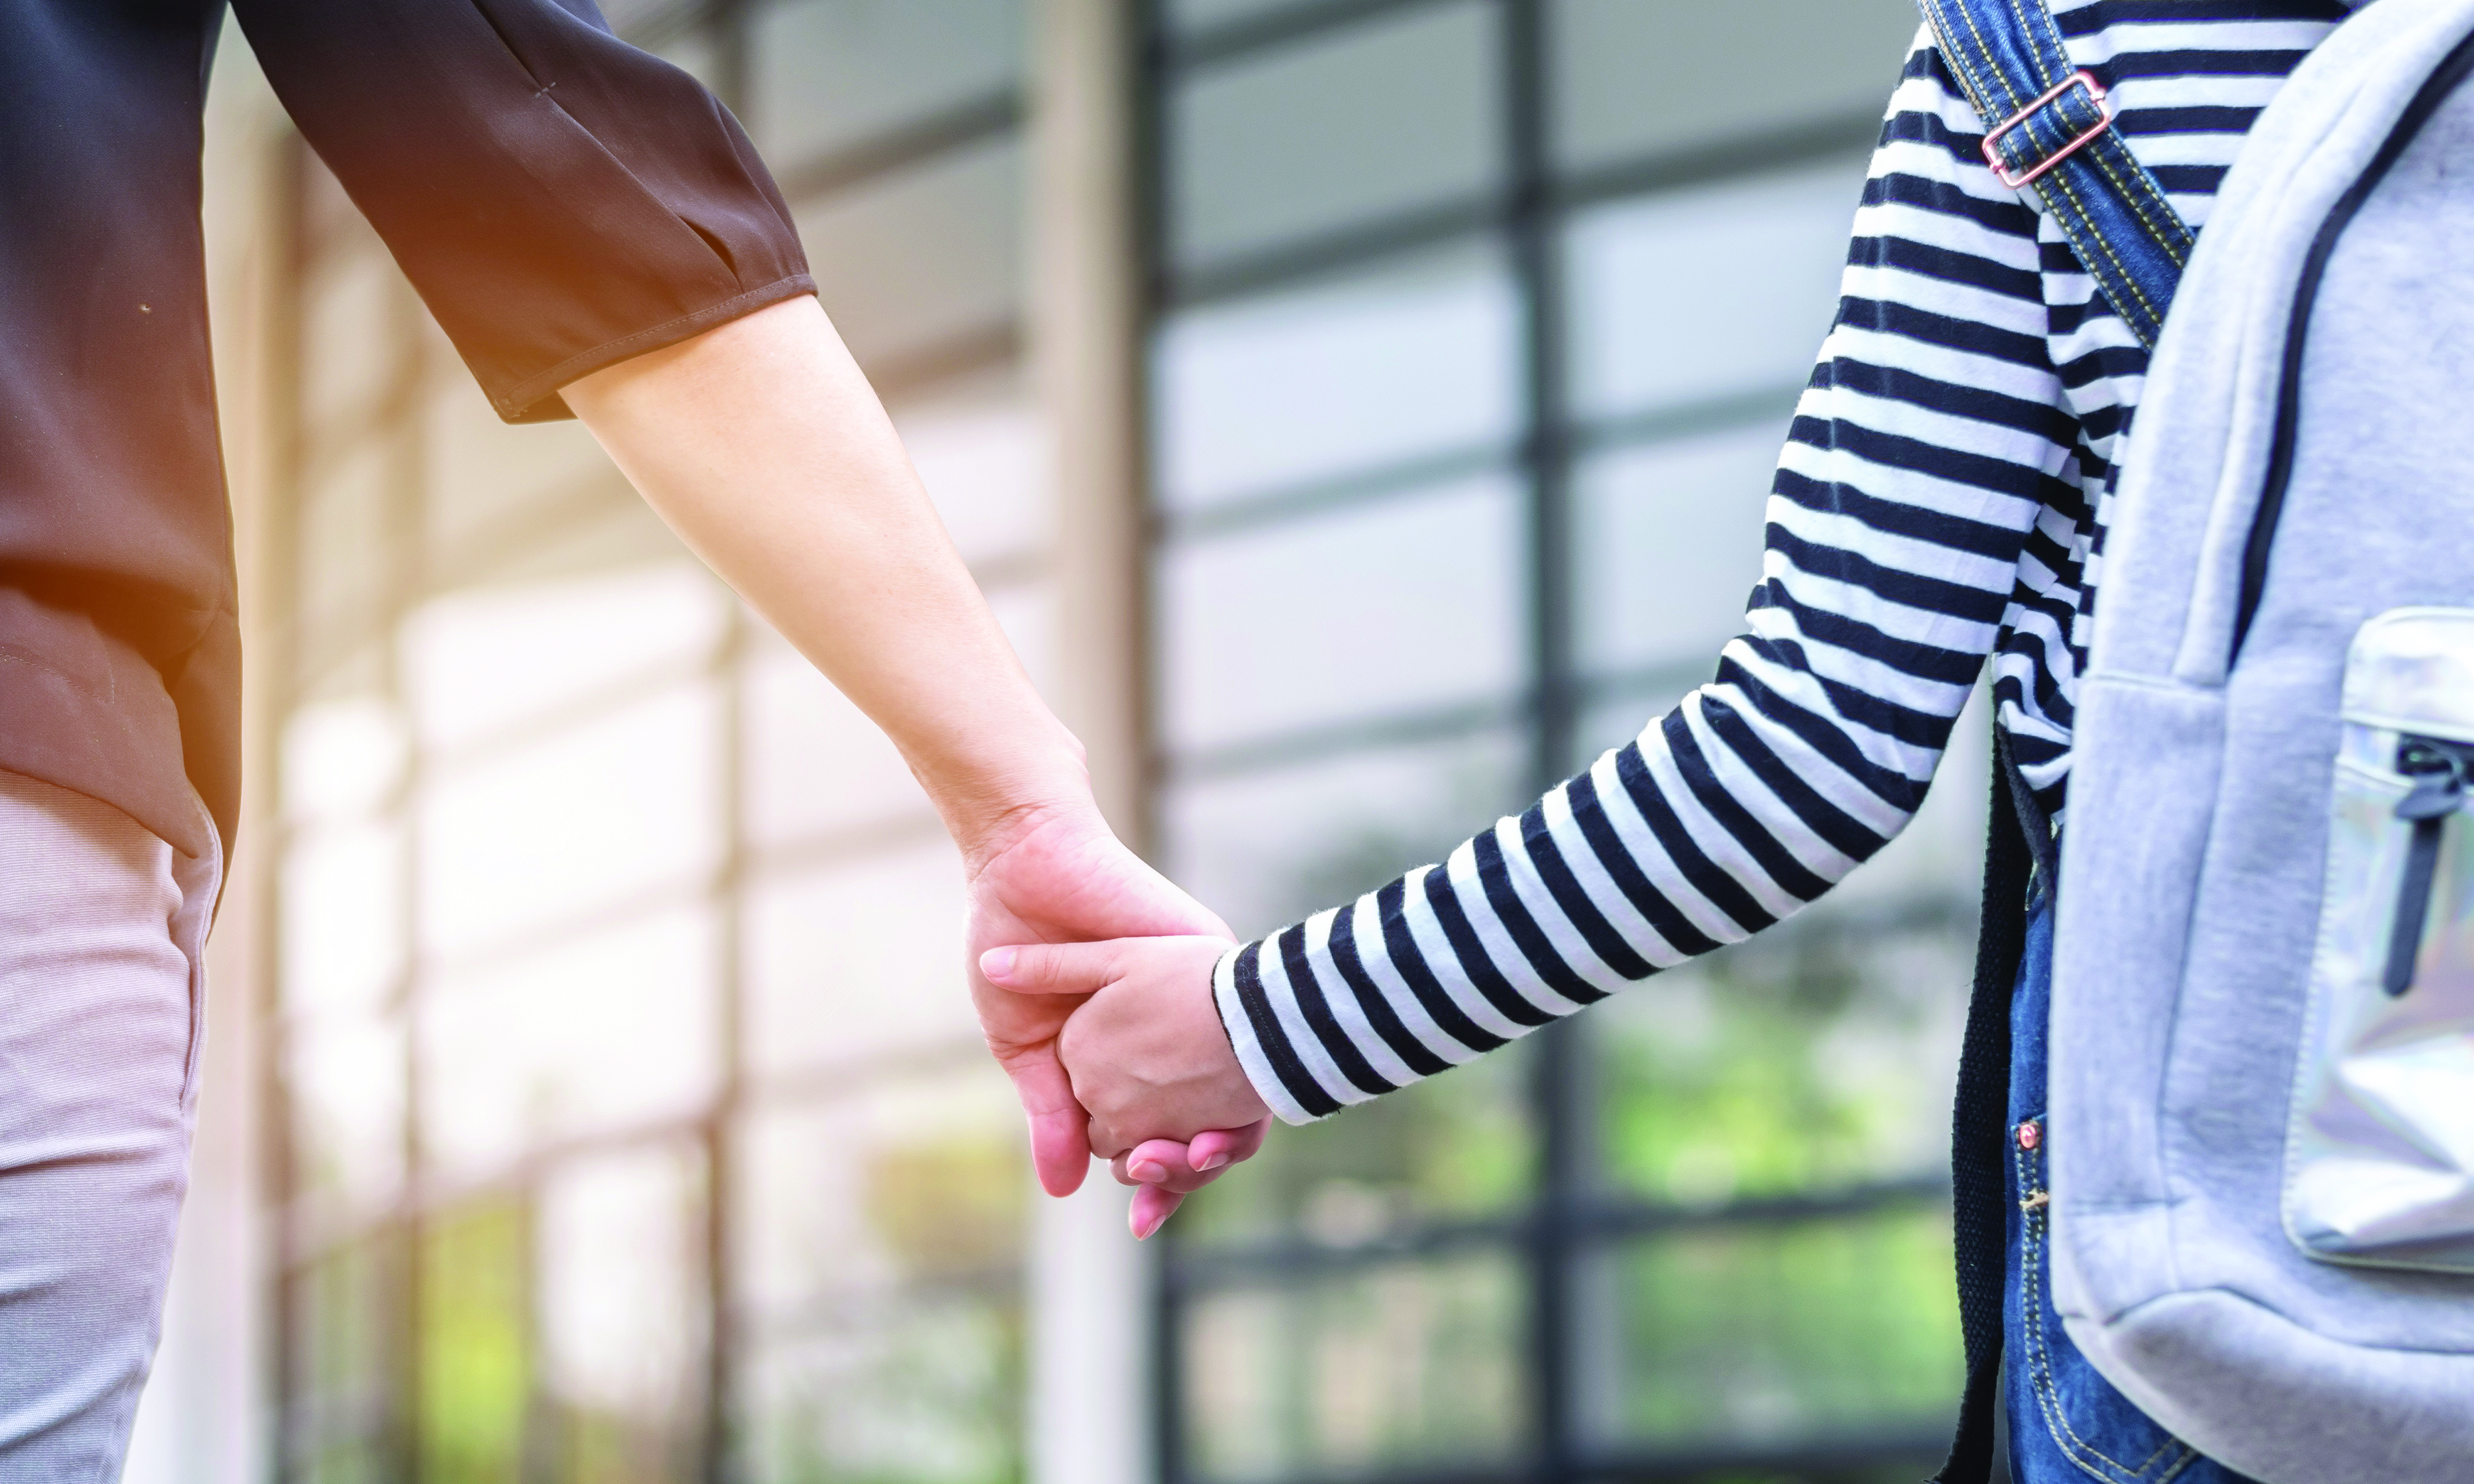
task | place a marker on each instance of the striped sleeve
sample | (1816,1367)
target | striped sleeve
(1930,437)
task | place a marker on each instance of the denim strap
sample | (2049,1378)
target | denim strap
(2008,56)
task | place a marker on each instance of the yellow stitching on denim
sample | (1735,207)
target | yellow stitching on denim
(2149,1462)
(1942,29)
(2062,183)
(2029,29)
(2074,228)
(2040,1365)
(1969,84)
(2133,194)
(2146,186)
(2034,35)
(1991,65)
(2032,1304)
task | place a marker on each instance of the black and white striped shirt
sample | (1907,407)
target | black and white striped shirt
(1942,498)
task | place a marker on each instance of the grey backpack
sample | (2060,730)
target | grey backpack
(2262,1103)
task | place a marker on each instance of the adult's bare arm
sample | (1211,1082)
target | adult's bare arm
(763,447)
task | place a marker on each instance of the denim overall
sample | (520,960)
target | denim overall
(2068,1424)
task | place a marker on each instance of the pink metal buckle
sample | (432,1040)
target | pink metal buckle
(2104,121)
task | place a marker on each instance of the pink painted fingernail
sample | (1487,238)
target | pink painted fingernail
(1212,1162)
(997,963)
(1151,1172)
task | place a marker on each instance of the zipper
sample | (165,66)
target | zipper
(2436,90)
(2439,770)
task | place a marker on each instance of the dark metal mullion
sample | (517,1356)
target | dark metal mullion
(1339,248)
(1589,1221)
(1556,1063)
(1147,175)
(980,120)
(1281,28)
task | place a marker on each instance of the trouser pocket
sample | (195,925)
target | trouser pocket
(2067,1422)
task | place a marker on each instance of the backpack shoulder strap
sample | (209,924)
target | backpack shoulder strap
(2051,130)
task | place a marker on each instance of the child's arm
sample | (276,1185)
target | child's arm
(1934,506)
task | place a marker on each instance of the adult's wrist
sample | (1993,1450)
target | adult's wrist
(990,805)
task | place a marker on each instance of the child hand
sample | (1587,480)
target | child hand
(1146,1052)
(1164,1171)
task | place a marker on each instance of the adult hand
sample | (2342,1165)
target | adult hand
(1059,875)
(1146,1058)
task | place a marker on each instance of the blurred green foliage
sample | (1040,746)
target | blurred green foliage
(951,1207)
(1810,1059)
(1384,1367)
(475,1352)
(1777,1334)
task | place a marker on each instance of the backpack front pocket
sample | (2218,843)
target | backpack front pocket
(2380,1153)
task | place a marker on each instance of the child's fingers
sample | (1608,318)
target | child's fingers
(1182,1169)
(1216,1149)
(1052,968)
(1154,1162)
(1151,1207)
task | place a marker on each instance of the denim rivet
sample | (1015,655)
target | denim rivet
(2030,1134)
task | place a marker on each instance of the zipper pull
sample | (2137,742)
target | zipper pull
(2438,774)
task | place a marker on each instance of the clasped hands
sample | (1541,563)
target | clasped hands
(1091,974)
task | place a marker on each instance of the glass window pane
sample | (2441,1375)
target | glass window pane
(1759,1337)
(1620,711)
(1761,258)
(342,759)
(815,764)
(343,914)
(1201,14)
(926,1390)
(983,451)
(1455,1146)
(1634,76)
(1670,546)
(1340,377)
(338,1383)
(884,1241)
(347,562)
(1027,612)
(1382,1369)
(923,259)
(827,74)
(484,475)
(1818,1056)
(1265,848)
(355,317)
(608,812)
(490,658)
(1373,610)
(622,1309)
(693,51)
(343,1080)
(916,1180)
(850,962)
(616,1028)
(475,1351)
(1349,128)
